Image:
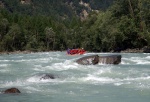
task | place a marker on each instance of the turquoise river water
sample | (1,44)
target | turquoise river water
(127,82)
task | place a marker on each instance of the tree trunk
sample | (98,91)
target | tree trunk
(131,9)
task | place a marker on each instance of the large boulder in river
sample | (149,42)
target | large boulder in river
(12,90)
(110,59)
(95,59)
(88,60)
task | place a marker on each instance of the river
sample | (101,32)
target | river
(127,82)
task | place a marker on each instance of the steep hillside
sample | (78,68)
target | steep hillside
(57,8)
(43,25)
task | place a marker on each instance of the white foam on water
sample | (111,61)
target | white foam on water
(4,70)
(37,78)
(37,81)
(103,70)
(139,60)
(73,73)
(143,62)
(138,82)
(147,57)
(32,60)
(137,79)
(4,65)
(89,53)
(31,89)
(126,61)
(57,66)
(64,65)
(118,83)
(94,79)
(34,79)
(38,68)
(98,78)
(99,72)
(4,60)
(46,60)
(136,60)
(13,83)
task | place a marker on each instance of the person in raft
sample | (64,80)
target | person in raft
(68,51)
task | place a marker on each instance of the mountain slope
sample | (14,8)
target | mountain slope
(58,8)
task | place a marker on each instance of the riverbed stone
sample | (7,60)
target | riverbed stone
(12,90)
(95,59)
(47,76)
(110,59)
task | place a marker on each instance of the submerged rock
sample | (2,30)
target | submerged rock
(47,76)
(12,90)
(95,59)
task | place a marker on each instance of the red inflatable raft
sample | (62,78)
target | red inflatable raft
(75,51)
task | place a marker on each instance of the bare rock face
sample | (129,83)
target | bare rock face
(25,1)
(95,59)
(12,90)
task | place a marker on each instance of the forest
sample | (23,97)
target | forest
(114,25)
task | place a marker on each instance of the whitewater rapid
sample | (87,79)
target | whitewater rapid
(24,71)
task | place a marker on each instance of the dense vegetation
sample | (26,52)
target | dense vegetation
(125,24)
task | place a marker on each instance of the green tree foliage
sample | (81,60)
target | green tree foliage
(50,37)
(4,24)
(40,27)
(122,26)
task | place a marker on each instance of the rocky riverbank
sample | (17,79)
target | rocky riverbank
(136,50)
(22,52)
(16,52)
(132,51)
(145,49)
